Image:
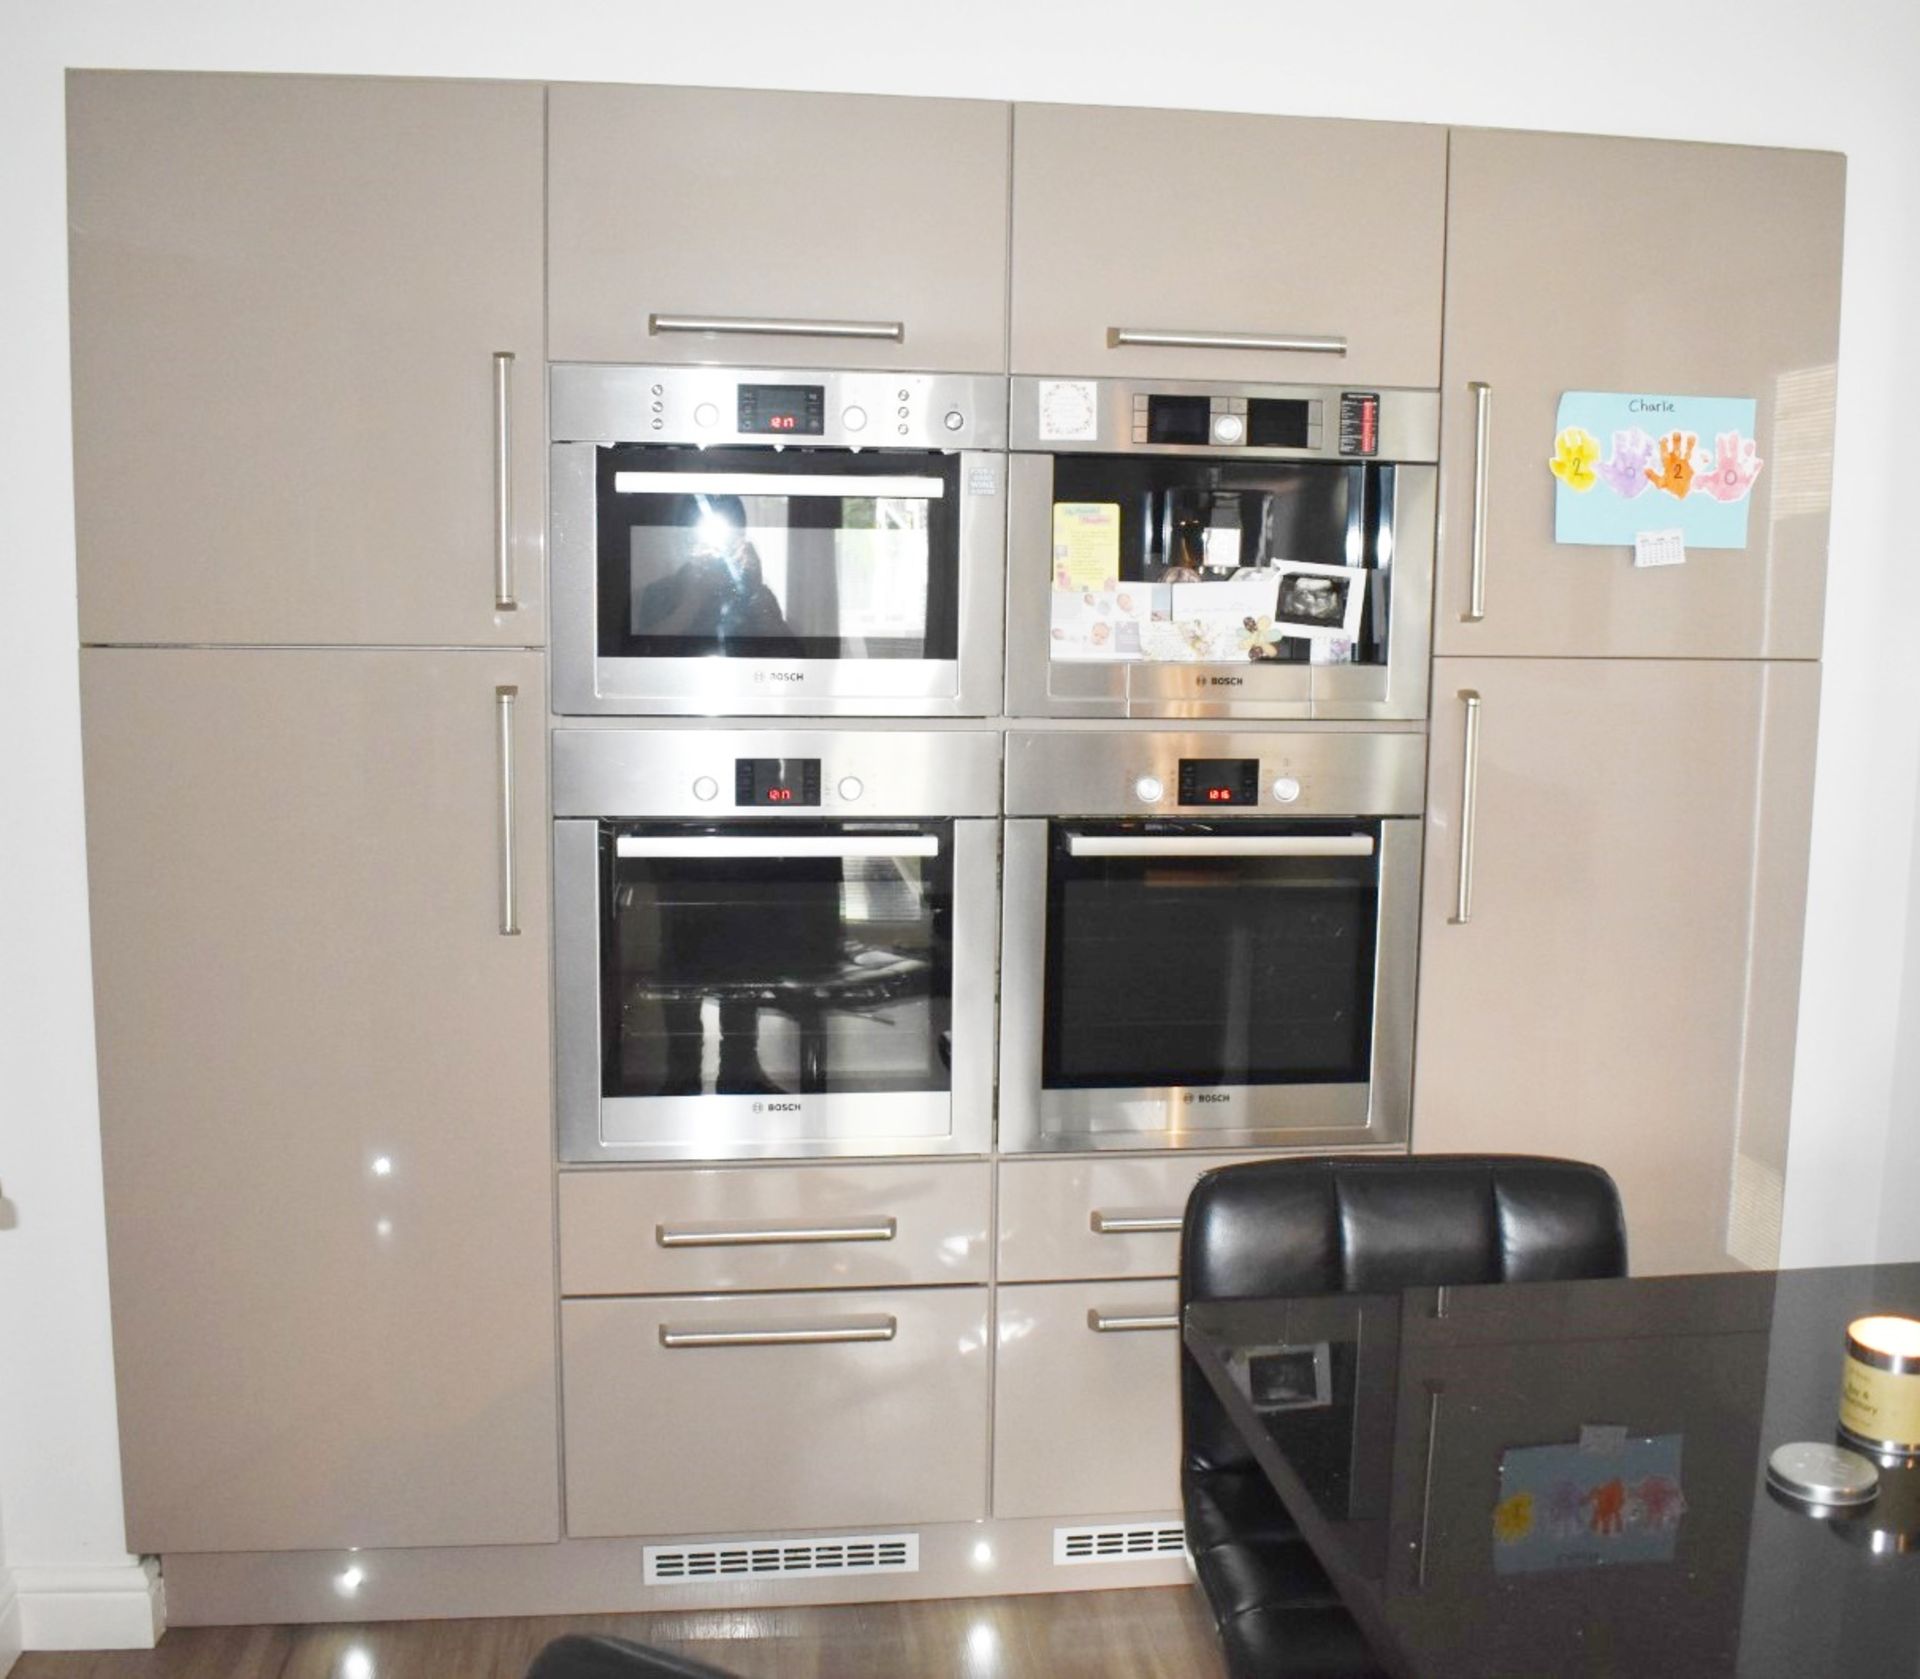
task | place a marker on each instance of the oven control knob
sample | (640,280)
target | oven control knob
(706,415)
(851,787)
(1228,428)
(1286,789)
(1149,789)
(955,419)
(706,789)
(854,419)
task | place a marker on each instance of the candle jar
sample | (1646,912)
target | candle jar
(1880,1387)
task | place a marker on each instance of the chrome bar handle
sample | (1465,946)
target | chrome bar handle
(774,326)
(1312,343)
(855,1329)
(1482,439)
(1136,1224)
(692,1236)
(503,593)
(1122,1323)
(503,703)
(1469,800)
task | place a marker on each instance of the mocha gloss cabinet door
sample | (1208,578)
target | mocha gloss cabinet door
(1641,267)
(1622,985)
(778,211)
(324,1089)
(291,296)
(1210,223)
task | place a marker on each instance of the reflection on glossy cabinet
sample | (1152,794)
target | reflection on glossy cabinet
(1577,263)
(1086,1399)
(325,1107)
(756,1412)
(1622,984)
(290,297)
(1209,222)
(777,208)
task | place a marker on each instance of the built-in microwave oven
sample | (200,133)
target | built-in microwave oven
(1202,550)
(1209,939)
(774,942)
(732,542)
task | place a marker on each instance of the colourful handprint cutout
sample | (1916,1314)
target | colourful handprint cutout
(1676,464)
(1625,470)
(1575,453)
(1735,465)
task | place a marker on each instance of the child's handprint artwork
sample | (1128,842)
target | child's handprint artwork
(1611,450)
(1736,463)
(1625,471)
(1575,452)
(1676,464)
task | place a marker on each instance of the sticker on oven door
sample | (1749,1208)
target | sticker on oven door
(1069,411)
(983,481)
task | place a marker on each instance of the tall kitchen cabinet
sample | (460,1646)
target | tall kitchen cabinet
(308,345)
(1622,757)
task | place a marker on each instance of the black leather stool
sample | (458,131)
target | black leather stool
(1333,1226)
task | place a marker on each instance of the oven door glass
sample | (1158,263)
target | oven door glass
(767,982)
(760,553)
(1173,560)
(1209,954)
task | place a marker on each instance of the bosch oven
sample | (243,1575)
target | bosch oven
(1201,550)
(738,543)
(774,943)
(1209,939)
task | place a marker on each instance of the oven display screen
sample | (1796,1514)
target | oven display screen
(1178,419)
(1219,781)
(776,781)
(795,410)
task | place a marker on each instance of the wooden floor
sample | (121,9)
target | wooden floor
(1158,1634)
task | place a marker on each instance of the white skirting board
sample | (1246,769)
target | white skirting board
(9,1623)
(117,1606)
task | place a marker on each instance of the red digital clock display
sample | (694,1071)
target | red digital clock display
(781,422)
(776,781)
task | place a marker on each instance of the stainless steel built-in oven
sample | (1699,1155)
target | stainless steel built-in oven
(774,943)
(1196,550)
(1209,939)
(741,543)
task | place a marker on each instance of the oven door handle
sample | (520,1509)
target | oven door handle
(1220,845)
(777,845)
(879,485)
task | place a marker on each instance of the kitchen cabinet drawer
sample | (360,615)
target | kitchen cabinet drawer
(1564,274)
(1086,1419)
(722,1414)
(1205,222)
(290,297)
(1096,1216)
(777,207)
(772,1227)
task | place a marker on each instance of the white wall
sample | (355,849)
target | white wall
(1773,72)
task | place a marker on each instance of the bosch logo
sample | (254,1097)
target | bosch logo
(779,676)
(778,1107)
(1186,1096)
(1211,1096)
(1223,682)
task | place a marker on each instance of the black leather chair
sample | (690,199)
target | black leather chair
(582,1656)
(1331,1226)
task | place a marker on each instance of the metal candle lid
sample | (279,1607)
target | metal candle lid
(1812,1472)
